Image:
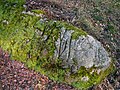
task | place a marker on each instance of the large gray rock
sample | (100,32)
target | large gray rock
(84,51)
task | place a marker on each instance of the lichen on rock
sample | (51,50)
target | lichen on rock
(57,49)
(84,51)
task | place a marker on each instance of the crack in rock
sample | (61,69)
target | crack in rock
(84,51)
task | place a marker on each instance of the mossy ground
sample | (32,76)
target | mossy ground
(18,36)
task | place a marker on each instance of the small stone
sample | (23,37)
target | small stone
(92,71)
(5,21)
(15,80)
(24,6)
(85,78)
(98,71)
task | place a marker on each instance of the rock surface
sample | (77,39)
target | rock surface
(84,51)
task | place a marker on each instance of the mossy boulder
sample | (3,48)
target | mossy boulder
(57,49)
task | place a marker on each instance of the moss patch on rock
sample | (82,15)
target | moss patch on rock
(93,77)
(37,11)
(77,31)
(29,39)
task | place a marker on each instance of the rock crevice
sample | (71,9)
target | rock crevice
(83,51)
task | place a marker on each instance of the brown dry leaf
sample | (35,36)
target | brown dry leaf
(39,87)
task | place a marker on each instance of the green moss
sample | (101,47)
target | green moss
(77,31)
(16,30)
(19,35)
(98,17)
(75,79)
(31,64)
(38,11)
(56,74)
(94,78)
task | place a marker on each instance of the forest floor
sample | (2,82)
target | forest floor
(14,75)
